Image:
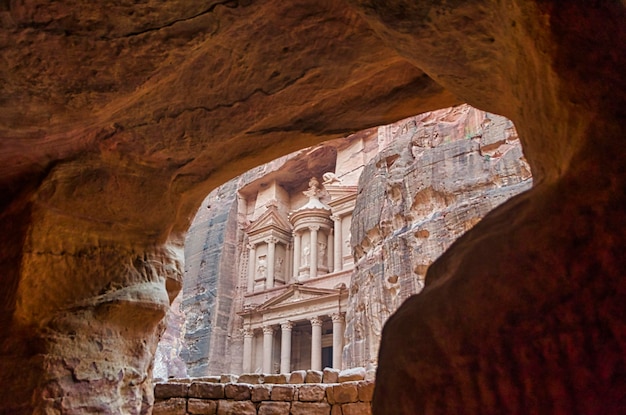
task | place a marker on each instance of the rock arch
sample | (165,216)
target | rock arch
(117,120)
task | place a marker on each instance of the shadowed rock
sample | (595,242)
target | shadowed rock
(117,119)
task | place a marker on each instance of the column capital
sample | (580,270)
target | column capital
(271,240)
(268,329)
(338,317)
(316,321)
(314,228)
(335,218)
(286,326)
(247,332)
(251,245)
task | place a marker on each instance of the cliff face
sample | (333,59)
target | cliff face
(208,287)
(442,172)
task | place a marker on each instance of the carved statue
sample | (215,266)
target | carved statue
(330,178)
(278,268)
(262,267)
(321,254)
(306,251)
(314,188)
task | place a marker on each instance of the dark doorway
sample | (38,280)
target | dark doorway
(327,357)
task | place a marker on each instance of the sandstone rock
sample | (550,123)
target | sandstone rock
(432,184)
(313,376)
(330,375)
(260,393)
(170,390)
(357,408)
(210,379)
(297,376)
(312,393)
(236,408)
(336,410)
(342,393)
(274,408)
(237,391)
(279,379)
(206,390)
(310,408)
(168,364)
(251,378)
(175,406)
(356,373)
(201,406)
(180,380)
(109,145)
(229,378)
(283,392)
(366,391)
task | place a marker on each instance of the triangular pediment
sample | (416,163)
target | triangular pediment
(298,294)
(272,218)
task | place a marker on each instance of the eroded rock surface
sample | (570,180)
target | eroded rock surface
(441,173)
(117,119)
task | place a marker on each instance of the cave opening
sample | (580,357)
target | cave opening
(391,199)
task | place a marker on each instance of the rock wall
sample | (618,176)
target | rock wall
(442,172)
(209,286)
(347,396)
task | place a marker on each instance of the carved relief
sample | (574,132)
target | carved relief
(261,268)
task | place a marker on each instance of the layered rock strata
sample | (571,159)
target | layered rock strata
(116,120)
(439,175)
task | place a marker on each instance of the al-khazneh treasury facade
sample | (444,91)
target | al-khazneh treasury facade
(298,268)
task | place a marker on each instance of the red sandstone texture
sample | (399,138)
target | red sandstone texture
(116,120)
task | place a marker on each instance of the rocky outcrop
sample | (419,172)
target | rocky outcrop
(116,120)
(209,289)
(442,172)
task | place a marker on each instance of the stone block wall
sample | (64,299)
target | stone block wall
(303,392)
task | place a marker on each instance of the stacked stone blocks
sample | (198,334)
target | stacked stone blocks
(304,392)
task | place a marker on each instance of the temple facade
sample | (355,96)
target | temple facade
(298,268)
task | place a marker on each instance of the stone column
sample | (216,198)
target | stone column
(331,251)
(338,323)
(268,342)
(248,336)
(251,267)
(271,261)
(337,255)
(316,343)
(313,260)
(288,263)
(297,238)
(285,347)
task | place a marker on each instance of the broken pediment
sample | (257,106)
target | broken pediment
(271,223)
(341,197)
